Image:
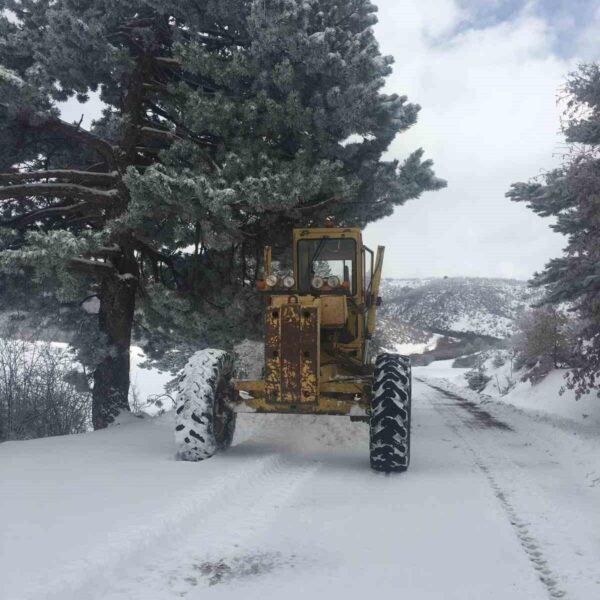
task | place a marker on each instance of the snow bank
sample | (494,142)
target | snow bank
(103,483)
(545,397)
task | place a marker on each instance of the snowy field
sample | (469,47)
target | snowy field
(497,504)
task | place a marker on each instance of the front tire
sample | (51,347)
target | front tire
(203,422)
(390,414)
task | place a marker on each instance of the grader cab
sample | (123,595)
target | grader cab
(319,321)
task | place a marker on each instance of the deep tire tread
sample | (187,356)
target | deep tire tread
(196,436)
(390,414)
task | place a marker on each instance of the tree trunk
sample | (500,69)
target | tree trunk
(111,377)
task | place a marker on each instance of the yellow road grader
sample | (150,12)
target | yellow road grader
(319,320)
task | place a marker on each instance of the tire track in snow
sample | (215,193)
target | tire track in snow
(528,542)
(530,545)
(76,579)
(218,534)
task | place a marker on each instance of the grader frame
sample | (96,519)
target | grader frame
(317,339)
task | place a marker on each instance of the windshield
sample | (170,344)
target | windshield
(325,258)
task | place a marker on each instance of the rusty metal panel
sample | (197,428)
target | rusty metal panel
(291,354)
(309,354)
(273,354)
(291,317)
(334,311)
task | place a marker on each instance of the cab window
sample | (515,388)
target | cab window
(325,262)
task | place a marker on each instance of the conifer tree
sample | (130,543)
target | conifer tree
(571,194)
(226,123)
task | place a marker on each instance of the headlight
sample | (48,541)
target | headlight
(288,281)
(333,281)
(317,282)
(271,280)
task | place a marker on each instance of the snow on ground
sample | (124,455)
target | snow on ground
(502,507)
(442,369)
(417,348)
(483,323)
(544,398)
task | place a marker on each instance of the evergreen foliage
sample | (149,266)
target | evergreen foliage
(571,194)
(226,123)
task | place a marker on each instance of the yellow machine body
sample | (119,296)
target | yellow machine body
(317,339)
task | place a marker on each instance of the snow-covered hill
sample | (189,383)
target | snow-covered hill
(419,314)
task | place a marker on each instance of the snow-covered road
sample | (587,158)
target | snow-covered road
(497,504)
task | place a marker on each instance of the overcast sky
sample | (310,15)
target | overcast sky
(487,74)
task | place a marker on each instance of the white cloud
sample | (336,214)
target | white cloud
(489,118)
(588,46)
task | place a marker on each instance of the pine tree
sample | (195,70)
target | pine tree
(226,123)
(315,75)
(571,193)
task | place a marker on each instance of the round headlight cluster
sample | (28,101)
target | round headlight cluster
(332,281)
(272,280)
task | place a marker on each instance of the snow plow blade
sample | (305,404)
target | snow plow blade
(334,398)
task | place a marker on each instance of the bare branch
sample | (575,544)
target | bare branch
(145,246)
(43,213)
(64,190)
(155,256)
(94,267)
(72,176)
(166,61)
(75,132)
(317,204)
(147,150)
(158,133)
(198,138)
(108,251)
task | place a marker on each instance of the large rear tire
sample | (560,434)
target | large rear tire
(390,414)
(204,424)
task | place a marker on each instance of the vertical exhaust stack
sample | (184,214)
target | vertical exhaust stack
(373,300)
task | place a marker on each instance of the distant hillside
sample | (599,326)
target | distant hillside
(419,316)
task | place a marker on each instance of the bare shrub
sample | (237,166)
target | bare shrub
(498,360)
(476,378)
(543,342)
(41,391)
(159,404)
